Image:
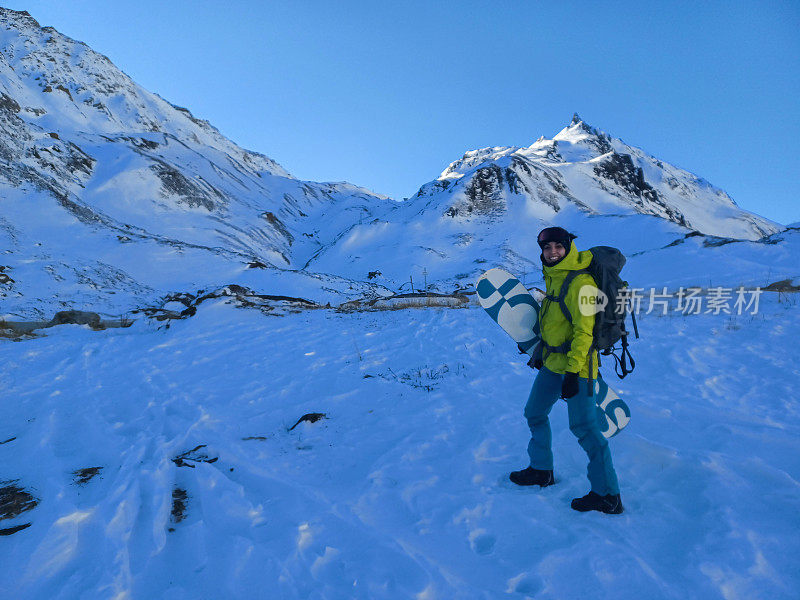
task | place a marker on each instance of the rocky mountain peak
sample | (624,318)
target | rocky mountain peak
(581,124)
(581,133)
(18,18)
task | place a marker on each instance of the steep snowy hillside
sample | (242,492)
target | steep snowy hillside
(98,174)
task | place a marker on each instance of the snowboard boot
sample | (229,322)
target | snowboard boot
(610,504)
(531,476)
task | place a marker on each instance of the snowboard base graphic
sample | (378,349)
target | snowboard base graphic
(513,307)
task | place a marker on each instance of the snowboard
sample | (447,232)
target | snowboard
(516,310)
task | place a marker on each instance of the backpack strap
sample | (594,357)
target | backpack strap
(635,328)
(560,349)
(562,293)
(561,301)
(621,362)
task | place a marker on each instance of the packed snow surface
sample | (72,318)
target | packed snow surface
(164,466)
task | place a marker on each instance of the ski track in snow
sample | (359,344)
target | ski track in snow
(401,491)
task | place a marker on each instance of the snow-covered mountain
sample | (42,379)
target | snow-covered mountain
(106,186)
(487,206)
(599,174)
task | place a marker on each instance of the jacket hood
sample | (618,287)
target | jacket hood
(573,261)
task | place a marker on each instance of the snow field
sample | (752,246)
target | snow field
(401,491)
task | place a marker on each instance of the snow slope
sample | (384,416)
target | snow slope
(450,254)
(401,490)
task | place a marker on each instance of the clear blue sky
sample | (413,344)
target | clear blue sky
(386,94)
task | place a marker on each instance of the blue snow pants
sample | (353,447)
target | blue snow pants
(583,424)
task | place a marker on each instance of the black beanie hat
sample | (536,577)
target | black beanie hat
(555,234)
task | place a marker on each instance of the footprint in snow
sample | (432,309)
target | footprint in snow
(481,541)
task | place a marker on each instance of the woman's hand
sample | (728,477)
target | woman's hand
(569,387)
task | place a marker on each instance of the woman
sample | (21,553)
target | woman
(567,362)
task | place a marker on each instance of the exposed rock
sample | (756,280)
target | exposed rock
(194,455)
(550,187)
(601,141)
(434,187)
(76,317)
(85,475)
(408,300)
(7,103)
(142,143)
(180,502)
(308,418)
(14,501)
(65,90)
(619,168)
(278,224)
(483,194)
(712,241)
(241,296)
(13,530)
(78,160)
(785,285)
(18,330)
(175,183)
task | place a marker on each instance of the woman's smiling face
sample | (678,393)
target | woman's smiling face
(553,252)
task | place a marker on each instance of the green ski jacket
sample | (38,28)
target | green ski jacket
(556,329)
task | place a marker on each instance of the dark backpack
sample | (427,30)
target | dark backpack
(609,323)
